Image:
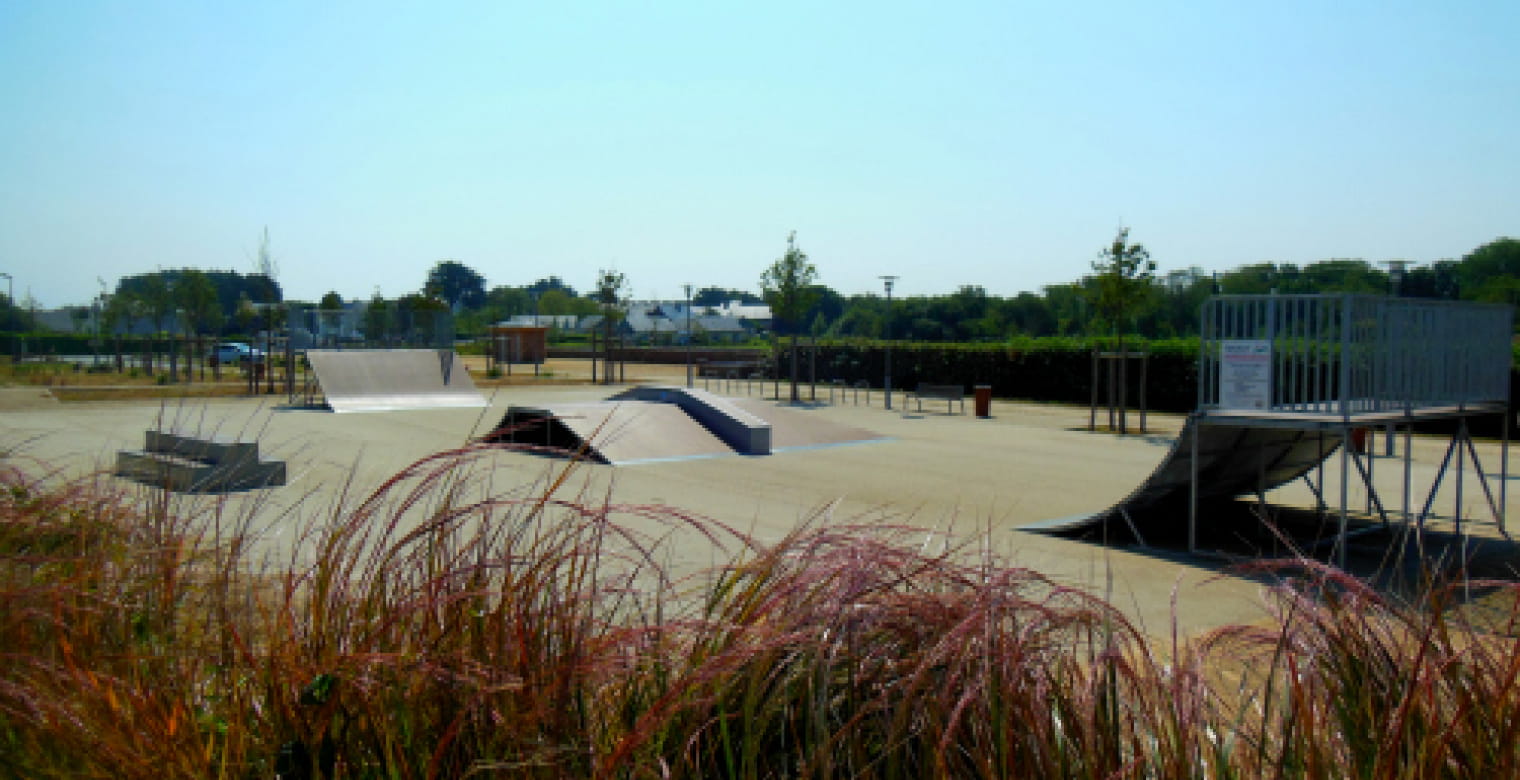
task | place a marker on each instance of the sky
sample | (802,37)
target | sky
(998,144)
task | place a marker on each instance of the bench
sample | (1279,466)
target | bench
(950,394)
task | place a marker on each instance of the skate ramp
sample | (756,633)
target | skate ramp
(673,424)
(375,380)
(611,432)
(745,432)
(1233,460)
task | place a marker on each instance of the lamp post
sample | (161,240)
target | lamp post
(1395,275)
(687,288)
(888,281)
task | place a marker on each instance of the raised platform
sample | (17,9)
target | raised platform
(190,464)
(745,432)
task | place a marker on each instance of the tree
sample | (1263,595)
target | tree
(1438,280)
(195,296)
(423,320)
(376,318)
(244,314)
(788,286)
(456,284)
(1489,273)
(610,286)
(552,303)
(330,309)
(713,297)
(504,302)
(1123,284)
(552,283)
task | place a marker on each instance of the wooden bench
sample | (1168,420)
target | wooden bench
(950,394)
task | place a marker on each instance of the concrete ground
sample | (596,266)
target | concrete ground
(975,478)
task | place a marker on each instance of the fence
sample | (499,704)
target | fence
(1351,354)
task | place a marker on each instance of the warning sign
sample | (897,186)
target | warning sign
(1245,375)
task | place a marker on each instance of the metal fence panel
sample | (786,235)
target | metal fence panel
(1348,354)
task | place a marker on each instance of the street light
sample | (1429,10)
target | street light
(687,288)
(888,281)
(1395,275)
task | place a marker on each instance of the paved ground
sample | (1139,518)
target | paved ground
(973,477)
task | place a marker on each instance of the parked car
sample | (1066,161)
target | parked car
(235,352)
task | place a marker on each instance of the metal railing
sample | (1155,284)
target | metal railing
(1345,354)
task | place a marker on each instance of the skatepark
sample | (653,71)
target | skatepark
(963,480)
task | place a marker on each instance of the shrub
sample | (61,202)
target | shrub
(443,625)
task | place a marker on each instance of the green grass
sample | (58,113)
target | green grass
(445,624)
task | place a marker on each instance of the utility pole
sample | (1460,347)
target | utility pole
(888,281)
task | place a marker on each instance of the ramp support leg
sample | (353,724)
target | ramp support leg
(1193,486)
(1503,472)
(1124,511)
(1340,539)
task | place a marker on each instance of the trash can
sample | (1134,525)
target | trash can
(983,400)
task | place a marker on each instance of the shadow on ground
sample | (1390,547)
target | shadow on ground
(1235,537)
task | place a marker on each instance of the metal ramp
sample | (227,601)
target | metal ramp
(651,424)
(1285,380)
(744,431)
(1233,461)
(616,433)
(376,380)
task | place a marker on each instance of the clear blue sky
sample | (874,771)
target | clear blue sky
(996,143)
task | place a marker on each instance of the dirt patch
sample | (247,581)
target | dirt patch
(24,398)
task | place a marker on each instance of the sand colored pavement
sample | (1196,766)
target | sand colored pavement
(973,479)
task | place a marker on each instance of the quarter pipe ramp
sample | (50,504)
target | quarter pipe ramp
(374,380)
(1233,460)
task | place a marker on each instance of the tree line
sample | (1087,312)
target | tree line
(1156,305)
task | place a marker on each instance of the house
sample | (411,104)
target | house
(560,322)
(719,328)
(649,322)
(759,315)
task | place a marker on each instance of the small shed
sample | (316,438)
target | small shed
(519,343)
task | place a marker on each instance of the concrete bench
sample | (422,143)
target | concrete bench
(950,394)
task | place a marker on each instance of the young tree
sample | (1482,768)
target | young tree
(196,297)
(789,290)
(1121,286)
(115,313)
(610,286)
(245,314)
